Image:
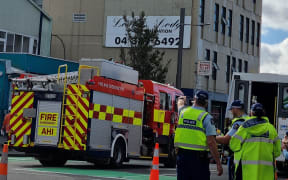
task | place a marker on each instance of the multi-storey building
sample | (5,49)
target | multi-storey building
(225,32)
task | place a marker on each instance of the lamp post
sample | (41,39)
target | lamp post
(180,46)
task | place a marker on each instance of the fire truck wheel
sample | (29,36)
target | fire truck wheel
(118,154)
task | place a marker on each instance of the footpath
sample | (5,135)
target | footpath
(11,152)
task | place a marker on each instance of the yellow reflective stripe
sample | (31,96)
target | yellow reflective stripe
(166,129)
(84,88)
(238,137)
(260,162)
(131,113)
(117,118)
(91,114)
(97,107)
(159,116)
(102,115)
(137,121)
(126,112)
(191,146)
(259,139)
(201,115)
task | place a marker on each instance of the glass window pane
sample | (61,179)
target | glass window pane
(26,42)
(1,46)
(2,34)
(18,43)
(35,47)
(10,43)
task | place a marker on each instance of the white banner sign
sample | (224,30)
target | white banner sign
(168,27)
(204,68)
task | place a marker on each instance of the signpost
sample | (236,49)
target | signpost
(204,68)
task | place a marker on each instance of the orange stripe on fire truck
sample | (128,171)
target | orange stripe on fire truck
(20,126)
(76,121)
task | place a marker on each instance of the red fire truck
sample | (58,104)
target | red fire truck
(102,113)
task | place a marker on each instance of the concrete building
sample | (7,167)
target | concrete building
(24,28)
(224,32)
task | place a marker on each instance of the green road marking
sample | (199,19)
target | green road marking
(102,173)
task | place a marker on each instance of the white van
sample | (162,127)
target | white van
(271,90)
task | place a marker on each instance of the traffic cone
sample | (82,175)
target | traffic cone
(154,174)
(4,163)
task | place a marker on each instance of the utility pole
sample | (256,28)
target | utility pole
(180,49)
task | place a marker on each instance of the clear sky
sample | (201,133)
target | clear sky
(274,46)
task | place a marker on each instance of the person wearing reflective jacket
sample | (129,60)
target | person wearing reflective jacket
(238,111)
(258,144)
(194,137)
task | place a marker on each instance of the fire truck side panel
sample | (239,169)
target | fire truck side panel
(100,134)
(135,129)
(48,123)
(20,125)
(76,117)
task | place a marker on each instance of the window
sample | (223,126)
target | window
(241,27)
(215,66)
(228,70)
(245,66)
(162,100)
(230,23)
(239,65)
(223,20)
(10,43)
(2,35)
(169,102)
(165,101)
(202,11)
(216,17)
(26,42)
(247,30)
(258,35)
(18,43)
(253,33)
(1,46)
(34,47)
(207,56)
(233,69)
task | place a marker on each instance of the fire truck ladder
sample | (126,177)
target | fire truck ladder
(76,115)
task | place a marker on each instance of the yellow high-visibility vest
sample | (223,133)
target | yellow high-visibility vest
(190,133)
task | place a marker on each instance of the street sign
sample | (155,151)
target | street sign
(204,68)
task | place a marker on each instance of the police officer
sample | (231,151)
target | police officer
(238,112)
(195,134)
(258,144)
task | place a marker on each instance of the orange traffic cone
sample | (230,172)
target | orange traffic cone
(154,174)
(4,163)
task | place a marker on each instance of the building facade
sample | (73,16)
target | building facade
(24,28)
(224,32)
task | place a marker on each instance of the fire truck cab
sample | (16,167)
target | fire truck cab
(102,113)
(271,90)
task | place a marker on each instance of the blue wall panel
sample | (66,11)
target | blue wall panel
(30,64)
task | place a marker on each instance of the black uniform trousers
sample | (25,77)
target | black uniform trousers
(192,165)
